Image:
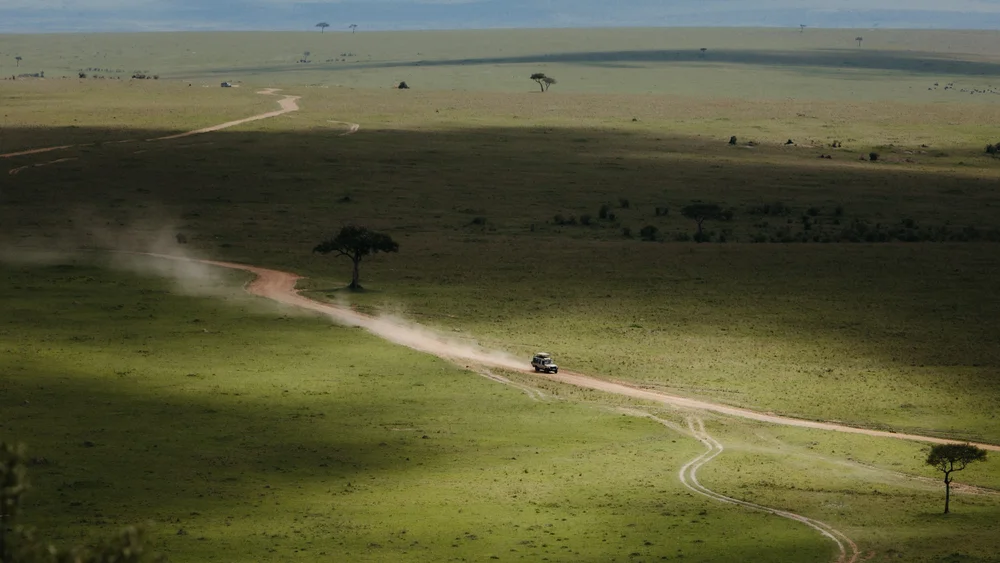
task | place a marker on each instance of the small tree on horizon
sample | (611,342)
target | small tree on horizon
(322,26)
(354,27)
(548,81)
(18,59)
(948,458)
(802,28)
(859,39)
(540,78)
(357,242)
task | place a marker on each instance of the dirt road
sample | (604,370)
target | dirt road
(287,104)
(280,286)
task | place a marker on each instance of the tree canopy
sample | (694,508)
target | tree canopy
(356,242)
(322,26)
(543,81)
(701,212)
(948,458)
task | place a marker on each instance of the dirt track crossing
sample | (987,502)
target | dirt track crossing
(848,550)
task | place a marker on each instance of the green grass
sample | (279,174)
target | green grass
(273,437)
(892,335)
(747,63)
(243,425)
(276,438)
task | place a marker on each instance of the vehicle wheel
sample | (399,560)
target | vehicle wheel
(555,370)
(536,370)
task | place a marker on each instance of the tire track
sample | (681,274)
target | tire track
(848,550)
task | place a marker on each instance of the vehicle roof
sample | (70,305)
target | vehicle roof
(542,354)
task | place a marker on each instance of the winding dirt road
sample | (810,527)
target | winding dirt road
(287,104)
(280,286)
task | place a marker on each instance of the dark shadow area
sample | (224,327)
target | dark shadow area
(913,62)
(268,198)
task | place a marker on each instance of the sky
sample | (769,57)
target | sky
(35,16)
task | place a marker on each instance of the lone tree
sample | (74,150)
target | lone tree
(18,59)
(802,28)
(322,26)
(354,27)
(859,39)
(701,212)
(543,81)
(953,457)
(356,243)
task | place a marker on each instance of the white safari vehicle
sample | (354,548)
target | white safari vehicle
(542,361)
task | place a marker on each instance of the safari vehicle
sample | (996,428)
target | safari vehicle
(543,362)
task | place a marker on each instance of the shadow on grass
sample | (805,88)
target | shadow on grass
(913,62)
(270,200)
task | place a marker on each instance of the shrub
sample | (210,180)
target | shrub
(682,237)
(585,220)
(623,203)
(627,232)
(839,211)
(559,219)
(702,237)
(479,221)
(649,233)
(873,156)
(776,208)
(727,215)
(603,213)
(612,216)
(662,211)
(181,238)
(990,149)
(813,211)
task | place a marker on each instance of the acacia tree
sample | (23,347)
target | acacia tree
(548,81)
(18,59)
(701,212)
(354,27)
(948,458)
(859,39)
(542,80)
(357,242)
(322,26)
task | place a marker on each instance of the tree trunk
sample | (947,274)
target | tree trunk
(541,86)
(947,493)
(700,221)
(355,275)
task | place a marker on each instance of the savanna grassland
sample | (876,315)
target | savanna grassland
(836,289)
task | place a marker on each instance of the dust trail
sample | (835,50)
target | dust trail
(352,128)
(688,475)
(280,287)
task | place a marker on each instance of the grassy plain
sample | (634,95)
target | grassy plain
(468,172)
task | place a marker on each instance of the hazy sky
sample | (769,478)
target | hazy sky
(143,15)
